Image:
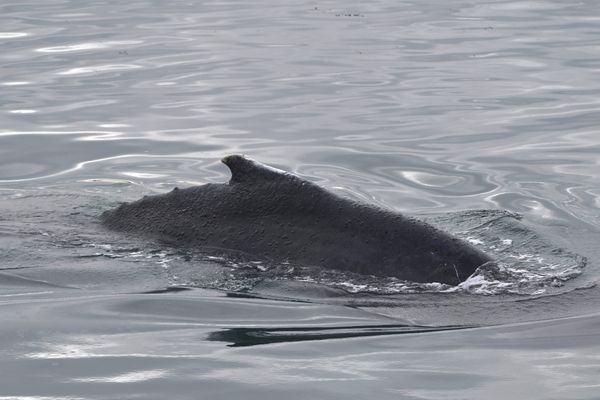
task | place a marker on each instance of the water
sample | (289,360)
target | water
(480,117)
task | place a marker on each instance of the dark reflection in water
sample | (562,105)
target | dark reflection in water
(242,337)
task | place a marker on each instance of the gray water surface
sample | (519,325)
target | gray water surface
(478,116)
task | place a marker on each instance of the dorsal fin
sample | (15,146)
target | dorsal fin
(244,169)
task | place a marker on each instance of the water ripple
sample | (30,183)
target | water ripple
(87,46)
(99,69)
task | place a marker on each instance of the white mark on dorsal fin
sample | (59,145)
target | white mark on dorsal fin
(244,169)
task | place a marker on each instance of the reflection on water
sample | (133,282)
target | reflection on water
(163,351)
(240,337)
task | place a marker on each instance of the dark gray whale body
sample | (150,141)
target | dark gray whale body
(274,215)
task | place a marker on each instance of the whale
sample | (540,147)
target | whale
(280,217)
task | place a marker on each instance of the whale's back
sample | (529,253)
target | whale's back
(275,215)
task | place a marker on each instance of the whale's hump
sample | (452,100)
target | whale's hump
(244,169)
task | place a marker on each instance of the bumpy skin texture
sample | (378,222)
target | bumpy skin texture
(278,216)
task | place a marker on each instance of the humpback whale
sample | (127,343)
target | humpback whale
(278,216)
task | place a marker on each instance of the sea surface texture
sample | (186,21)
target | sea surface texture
(479,116)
